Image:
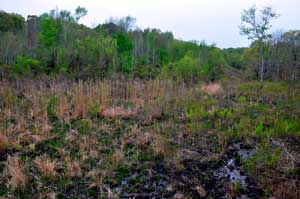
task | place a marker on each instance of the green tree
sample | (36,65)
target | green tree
(79,13)
(11,22)
(48,35)
(124,48)
(213,68)
(27,66)
(255,25)
(186,69)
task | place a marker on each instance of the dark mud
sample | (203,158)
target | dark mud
(199,179)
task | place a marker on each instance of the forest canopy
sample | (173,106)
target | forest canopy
(56,43)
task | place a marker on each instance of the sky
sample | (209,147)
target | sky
(215,21)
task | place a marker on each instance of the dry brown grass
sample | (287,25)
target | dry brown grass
(46,166)
(151,140)
(4,143)
(16,173)
(62,109)
(8,138)
(38,111)
(212,88)
(87,148)
(74,169)
(36,139)
(118,112)
(283,187)
(8,113)
(80,100)
(21,124)
(73,99)
(117,157)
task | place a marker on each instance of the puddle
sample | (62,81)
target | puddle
(231,171)
(233,174)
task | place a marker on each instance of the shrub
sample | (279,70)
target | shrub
(259,129)
(26,65)
(196,111)
(264,159)
(186,69)
(85,126)
(93,109)
(63,60)
(212,69)
(51,108)
(224,113)
(286,127)
(242,99)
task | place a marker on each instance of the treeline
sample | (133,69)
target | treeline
(282,57)
(55,43)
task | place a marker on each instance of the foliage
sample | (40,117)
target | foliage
(263,159)
(233,57)
(11,22)
(62,45)
(26,65)
(256,28)
(187,68)
(48,35)
(213,68)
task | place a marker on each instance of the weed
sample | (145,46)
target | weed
(265,158)
(74,169)
(17,178)
(46,166)
(94,109)
(85,126)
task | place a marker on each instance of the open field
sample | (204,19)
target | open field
(149,139)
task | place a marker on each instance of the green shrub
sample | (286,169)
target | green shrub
(85,126)
(196,111)
(259,129)
(93,109)
(63,60)
(50,108)
(286,127)
(224,113)
(8,98)
(242,99)
(26,65)
(186,69)
(265,158)
(276,88)
(245,125)
(212,69)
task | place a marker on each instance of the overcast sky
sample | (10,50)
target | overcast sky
(215,21)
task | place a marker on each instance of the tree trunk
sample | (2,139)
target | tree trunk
(262,69)
(262,66)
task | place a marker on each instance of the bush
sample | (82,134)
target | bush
(186,69)
(26,65)
(213,68)
(63,60)
(264,159)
